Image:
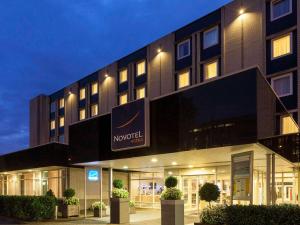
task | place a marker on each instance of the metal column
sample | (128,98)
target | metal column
(85,213)
(110,182)
(273,181)
(101,185)
(268,179)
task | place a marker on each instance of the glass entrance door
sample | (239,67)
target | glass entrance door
(190,192)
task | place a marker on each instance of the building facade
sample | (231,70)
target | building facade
(242,117)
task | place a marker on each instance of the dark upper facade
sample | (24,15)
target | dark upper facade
(240,35)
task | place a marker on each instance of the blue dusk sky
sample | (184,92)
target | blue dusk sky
(48,44)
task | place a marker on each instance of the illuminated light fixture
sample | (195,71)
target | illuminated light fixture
(242,11)
(70,93)
(159,50)
(154,160)
(280,146)
(170,172)
(174,163)
(106,75)
(191,166)
(29,170)
(125,167)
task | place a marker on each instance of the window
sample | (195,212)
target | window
(82,94)
(52,125)
(288,125)
(183,49)
(282,46)
(122,76)
(61,139)
(61,121)
(211,37)
(94,110)
(61,103)
(141,68)
(82,114)
(140,92)
(53,107)
(94,88)
(183,79)
(210,70)
(280,8)
(123,98)
(283,85)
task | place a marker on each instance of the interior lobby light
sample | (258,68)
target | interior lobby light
(154,160)
(174,163)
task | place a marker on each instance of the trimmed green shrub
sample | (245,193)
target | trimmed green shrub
(50,193)
(252,215)
(99,205)
(69,193)
(171,194)
(131,204)
(171,182)
(30,208)
(120,193)
(71,201)
(118,184)
(209,192)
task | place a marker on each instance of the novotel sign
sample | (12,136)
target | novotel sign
(130,125)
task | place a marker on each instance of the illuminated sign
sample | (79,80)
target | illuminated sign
(93,175)
(130,126)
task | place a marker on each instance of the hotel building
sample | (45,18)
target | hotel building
(214,101)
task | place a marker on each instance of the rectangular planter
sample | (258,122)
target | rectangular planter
(97,213)
(132,210)
(119,210)
(70,210)
(172,212)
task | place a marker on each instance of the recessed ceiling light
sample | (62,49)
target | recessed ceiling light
(125,167)
(242,11)
(170,172)
(154,160)
(174,163)
(191,166)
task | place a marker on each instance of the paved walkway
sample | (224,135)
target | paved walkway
(142,217)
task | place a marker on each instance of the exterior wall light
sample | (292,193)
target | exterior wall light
(125,167)
(154,160)
(159,50)
(174,163)
(242,11)
(106,75)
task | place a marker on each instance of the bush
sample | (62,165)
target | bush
(27,207)
(71,201)
(131,204)
(118,184)
(252,215)
(171,182)
(120,193)
(99,205)
(171,194)
(69,193)
(50,193)
(209,192)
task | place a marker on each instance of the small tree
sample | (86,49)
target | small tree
(119,191)
(209,192)
(118,184)
(171,193)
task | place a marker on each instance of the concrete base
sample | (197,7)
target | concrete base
(70,210)
(172,212)
(119,210)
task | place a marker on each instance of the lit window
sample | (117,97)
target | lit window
(283,85)
(94,110)
(280,8)
(95,88)
(61,103)
(82,114)
(282,46)
(123,99)
(140,92)
(82,94)
(61,121)
(52,125)
(53,107)
(288,125)
(123,76)
(183,79)
(183,49)
(210,70)
(211,37)
(141,68)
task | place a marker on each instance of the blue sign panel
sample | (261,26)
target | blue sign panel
(130,126)
(93,175)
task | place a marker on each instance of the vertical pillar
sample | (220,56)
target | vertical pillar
(101,188)
(85,215)
(298,195)
(268,179)
(273,181)
(282,187)
(153,191)
(110,182)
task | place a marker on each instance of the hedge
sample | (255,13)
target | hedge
(29,208)
(252,215)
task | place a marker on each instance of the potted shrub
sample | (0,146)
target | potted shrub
(132,207)
(211,215)
(70,205)
(119,204)
(97,206)
(172,207)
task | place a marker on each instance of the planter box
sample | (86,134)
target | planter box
(119,210)
(172,212)
(70,210)
(97,212)
(132,210)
